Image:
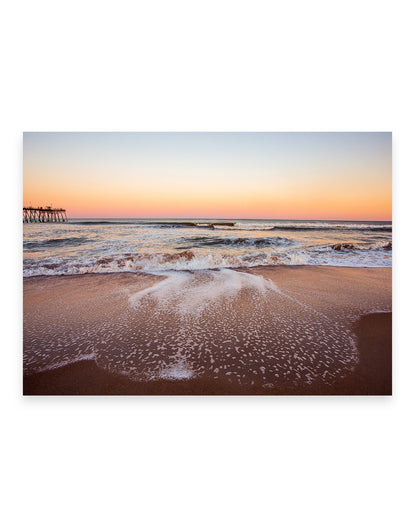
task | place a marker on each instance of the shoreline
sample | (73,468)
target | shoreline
(330,305)
(239,268)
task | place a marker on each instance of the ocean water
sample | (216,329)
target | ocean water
(86,245)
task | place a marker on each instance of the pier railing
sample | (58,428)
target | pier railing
(47,214)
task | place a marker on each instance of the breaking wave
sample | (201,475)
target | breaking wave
(195,260)
(131,245)
(235,242)
(205,225)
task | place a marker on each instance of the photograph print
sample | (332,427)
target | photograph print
(207,263)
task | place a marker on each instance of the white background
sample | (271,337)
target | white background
(217,65)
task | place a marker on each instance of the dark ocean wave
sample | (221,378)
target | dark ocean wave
(203,225)
(98,223)
(331,228)
(54,242)
(236,242)
(348,246)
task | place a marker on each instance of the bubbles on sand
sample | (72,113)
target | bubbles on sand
(175,372)
(220,325)
(230,326)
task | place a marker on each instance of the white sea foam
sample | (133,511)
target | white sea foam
(219,323)
(273,336)
(192,296)
(129,246)
(176,371)
(202,260)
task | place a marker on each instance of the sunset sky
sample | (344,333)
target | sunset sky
(221,175)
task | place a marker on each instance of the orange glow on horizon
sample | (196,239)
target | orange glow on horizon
(311,206)
(347,189)
(335,201)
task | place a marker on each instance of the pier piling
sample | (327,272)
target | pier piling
(46,214)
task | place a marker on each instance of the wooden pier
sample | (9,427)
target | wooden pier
(46,214)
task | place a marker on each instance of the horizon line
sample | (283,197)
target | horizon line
(238,218)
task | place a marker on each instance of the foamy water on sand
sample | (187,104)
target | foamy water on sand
(227,325)
(128,245)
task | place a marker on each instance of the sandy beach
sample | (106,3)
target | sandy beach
(278,330)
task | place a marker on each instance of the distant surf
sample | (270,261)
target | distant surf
(315,227)
(128,245)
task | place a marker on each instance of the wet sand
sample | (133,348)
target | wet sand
(109,341)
